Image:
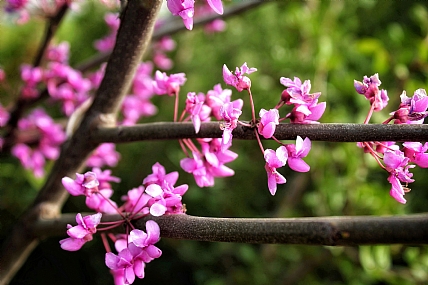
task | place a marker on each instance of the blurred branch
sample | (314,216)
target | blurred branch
(133,37)
(175,25)
(316,132)
(333,231)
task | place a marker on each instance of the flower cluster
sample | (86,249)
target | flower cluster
(395,160)
(157,196)
(40,140)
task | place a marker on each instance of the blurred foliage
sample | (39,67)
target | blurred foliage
(329,42)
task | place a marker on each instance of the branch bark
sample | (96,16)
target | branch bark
(316,132)
(332,231)
(133,37)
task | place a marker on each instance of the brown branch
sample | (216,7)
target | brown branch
(133,37)
(316,132)
(333,231)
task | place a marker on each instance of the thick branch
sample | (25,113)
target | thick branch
(347,231)
(316,132)
(133,37)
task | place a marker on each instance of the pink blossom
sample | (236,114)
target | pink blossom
(416,152)
(133,108)
(238,80)
(88,185)
(268,122)
(397,165)
(50,137)
(216,98)
(131,261)
(412,110)
(184,9)
(297,152)
(274,160)
(106,44)
(82,233)
(197,167)
(370,89)
(104,154)
(199,112)
(164,84)
(58,53)
(230,113)
(298,93)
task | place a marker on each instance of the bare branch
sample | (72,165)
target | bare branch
(316,132)
(335,231)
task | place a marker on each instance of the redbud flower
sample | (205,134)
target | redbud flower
(104,154)
(87,185)
(106,44)
(164,84)
(298,93)
(216,98)
(238,80)
(296,152)
(412,110)
(199,112)
(230,113)
(370,89)
(415,151)
(197,167)
(268,122)
(274,160)
(4,116)
(397,165)
(184,9)
(82,233)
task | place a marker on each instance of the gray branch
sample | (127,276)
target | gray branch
(316,132)
(333,231)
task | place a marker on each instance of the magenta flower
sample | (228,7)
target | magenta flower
(164,84)
(136,201)
(106,44)
(82,233)
(370,89)
(197,167)
(416,152)
(130,261)
(4,116)
(298,93)
(397,165)
(412,110)
(274,160)
(50,137)
(199,112)
(230,113)
(216,98)
(88,185)
(268,122)
(296,152)
(58,53)
(184,9)
(104,154)
(238,80)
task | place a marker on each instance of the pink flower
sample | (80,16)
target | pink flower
(238,80)
(87,185)
(416,152)
(230,113)
(397,165)
(296,152)
(106,44)
(82,233)
(197,167)
(165,84)
(370,89)
(268,122)
(184,9)
(274,160)
(199,112)
(131,260)
(216,98)
(412,110)
(298,93)
(4,116)
(104,154)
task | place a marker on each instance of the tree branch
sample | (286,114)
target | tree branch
(316,132)
(133,38)
(334,231)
